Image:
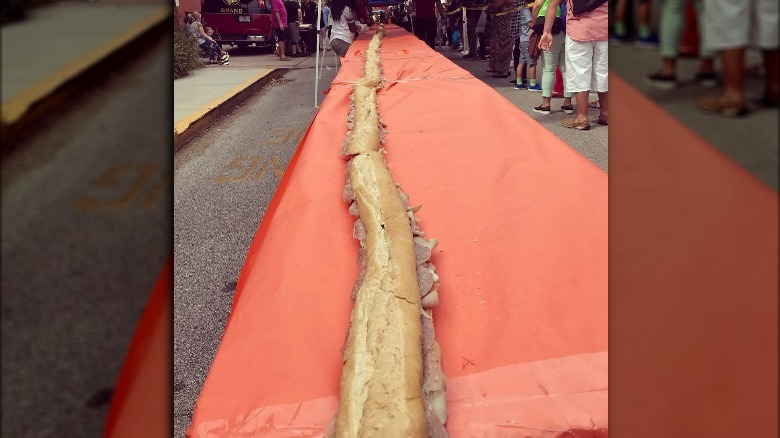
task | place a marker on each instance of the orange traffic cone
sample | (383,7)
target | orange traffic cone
(689,42)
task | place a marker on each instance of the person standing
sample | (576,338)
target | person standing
(325,25)
(425,20)
(672,21)
(473,12)
(482,35)
(279,25)
(732,27)
(294,18)
(586,58)
(524,36)
(309,9)
(501,39)
(553,57)
(343,27)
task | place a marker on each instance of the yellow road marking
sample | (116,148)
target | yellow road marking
(19,104)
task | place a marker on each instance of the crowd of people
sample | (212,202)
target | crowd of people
(513,36)
(573,37)
(726,31)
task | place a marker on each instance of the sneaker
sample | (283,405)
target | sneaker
(619,39)
(224,57)
(650,42)
(535,87)
(708,80)
(574,124)
(522,86)
(568,109)
(542,109)
(662,81)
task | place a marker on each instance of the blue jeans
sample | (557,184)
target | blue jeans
(212,48)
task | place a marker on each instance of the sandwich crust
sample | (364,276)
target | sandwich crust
(381,384)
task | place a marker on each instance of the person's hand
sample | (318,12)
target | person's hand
(545,40)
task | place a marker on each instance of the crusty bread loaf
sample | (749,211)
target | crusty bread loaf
(365,131)
(381,384)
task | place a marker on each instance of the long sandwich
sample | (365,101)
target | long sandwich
(392,383)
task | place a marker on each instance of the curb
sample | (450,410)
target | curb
(185,134)
(48,97)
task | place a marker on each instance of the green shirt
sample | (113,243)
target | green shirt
(543,10)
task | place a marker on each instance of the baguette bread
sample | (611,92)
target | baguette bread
(381,385)
(392,383)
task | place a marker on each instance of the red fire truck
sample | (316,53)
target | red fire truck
(240,22)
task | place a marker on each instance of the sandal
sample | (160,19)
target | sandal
(574,124)
(603,120)
(594,104)
(717,106)
(568,109)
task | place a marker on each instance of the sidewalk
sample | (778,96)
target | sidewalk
(208,93)
(212,91)
(60,49)
(750,141)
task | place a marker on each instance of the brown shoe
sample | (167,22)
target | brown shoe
(717,106)
(574,124)
(603,120)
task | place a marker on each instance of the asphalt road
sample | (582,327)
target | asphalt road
(224,180)
(86,230)
(752,141)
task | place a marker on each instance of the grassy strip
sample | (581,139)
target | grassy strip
(186,54)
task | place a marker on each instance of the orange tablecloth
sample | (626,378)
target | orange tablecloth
(693,281)
(522,223)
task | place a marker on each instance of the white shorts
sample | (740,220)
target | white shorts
(743,23)
(586,66)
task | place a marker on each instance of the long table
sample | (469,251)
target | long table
(521,220)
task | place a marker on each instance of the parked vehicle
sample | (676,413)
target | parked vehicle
(240,22)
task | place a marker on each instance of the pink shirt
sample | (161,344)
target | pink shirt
(278,6)
(590,26)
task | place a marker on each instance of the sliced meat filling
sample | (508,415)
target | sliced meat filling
(348,194)
(353,209)
(359,231)
(434,381)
